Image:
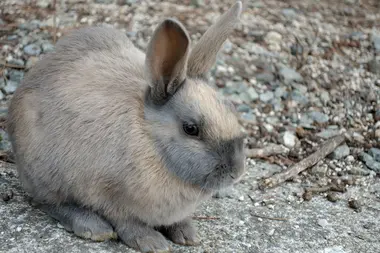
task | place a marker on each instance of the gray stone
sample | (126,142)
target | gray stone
(197,3)
(12,37)
(252,94)
(289,139)
(296,49)
(299,87)
(358,137)
(277,104)
(31,61)
(245,98)
(235,98)
(335,249)
(265,77)
(376,42)
(249,117)
(370,162)
(243,108)
(319,170)
(30,26)
(32,49)
(377,115)
(281,92)
(43,3)
(16,75)
(297,96)
(266,96)
(256,49)
(4,143)
(375,153)
(374,65)
(357,36)
(289,13)
(325,97)
(2,83)
(340,152)
(11,86)
(17,62)
(268,127)
(103,1)
(305,121)
(328,133)
(289,75)
(273,120)
(377,133)
(273,37)
(318,117)
(47,47)
(323,223)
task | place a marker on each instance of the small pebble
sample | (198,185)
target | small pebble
(32,49)
(375,153)
(332,196)
(307,195)
(8,195)
(323,223)
(271,232)
(340,152)
(354,204)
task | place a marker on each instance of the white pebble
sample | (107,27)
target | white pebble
(323,223)
(271,232)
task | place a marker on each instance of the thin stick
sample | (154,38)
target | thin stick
(205,218)
(13,66)
(325,148)
(269,218)
(269,150)
(318,190)
(55,21)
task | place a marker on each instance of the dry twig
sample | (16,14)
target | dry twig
(325,148)
(13,66)
(269,150)
(55,21)
(269,218)
(318,189)
(205,218)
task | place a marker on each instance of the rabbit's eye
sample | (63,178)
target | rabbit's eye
(190,129)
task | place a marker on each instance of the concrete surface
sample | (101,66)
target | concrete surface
(318,226)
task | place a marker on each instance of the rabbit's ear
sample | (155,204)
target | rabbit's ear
(204,53)
(166,59)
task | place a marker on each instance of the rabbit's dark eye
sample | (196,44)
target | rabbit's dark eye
(191,129)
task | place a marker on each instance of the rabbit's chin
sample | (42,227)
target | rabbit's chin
(226,181)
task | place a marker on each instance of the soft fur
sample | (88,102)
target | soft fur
(96,128)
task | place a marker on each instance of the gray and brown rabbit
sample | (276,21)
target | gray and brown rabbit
(113,142)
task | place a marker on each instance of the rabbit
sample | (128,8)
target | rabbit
(115,143)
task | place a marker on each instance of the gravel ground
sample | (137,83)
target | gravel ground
(299,72)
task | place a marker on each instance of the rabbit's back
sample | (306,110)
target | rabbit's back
(70,119)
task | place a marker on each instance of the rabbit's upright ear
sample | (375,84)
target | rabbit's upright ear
(204,53)
(166,59)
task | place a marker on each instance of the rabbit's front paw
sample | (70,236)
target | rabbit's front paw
(82,222)
(154,242)
(141,237)
(183,233)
